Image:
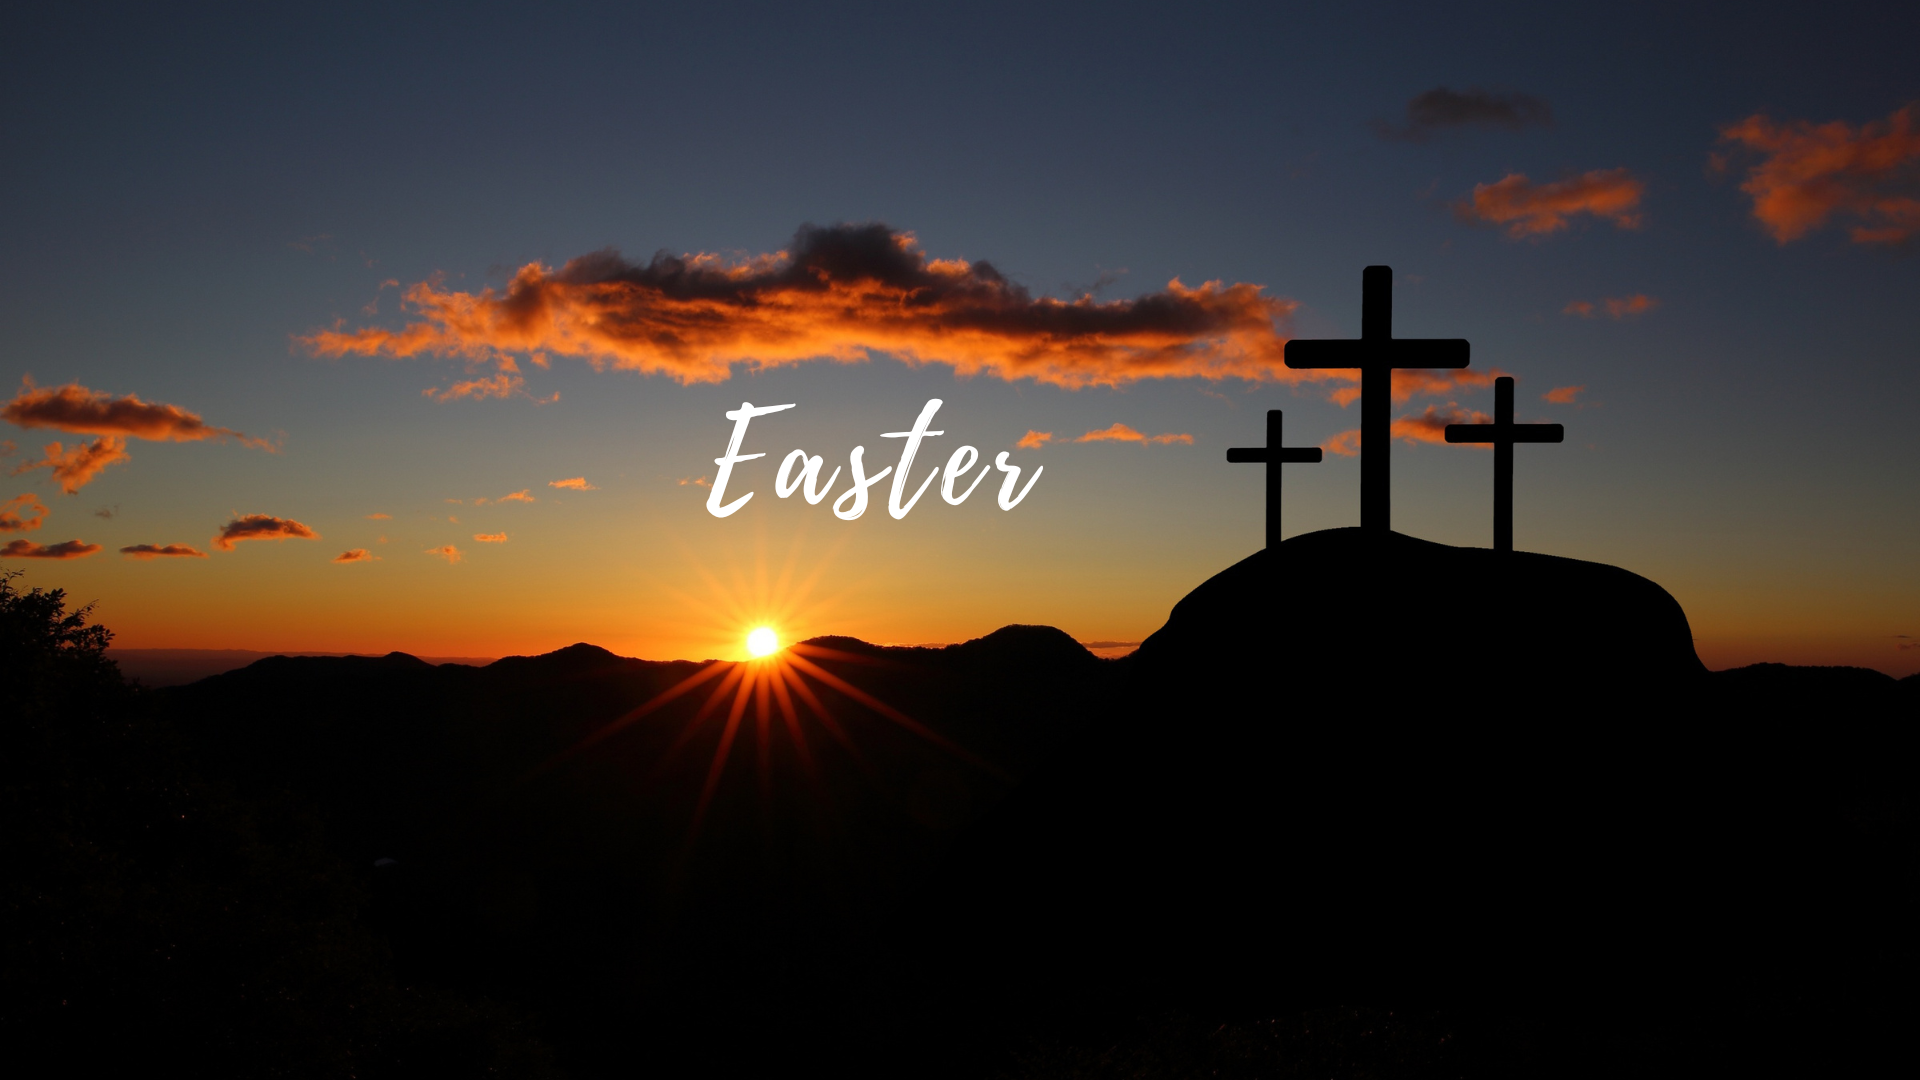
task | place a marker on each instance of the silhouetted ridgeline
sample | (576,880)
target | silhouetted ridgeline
(178,667)
(1411,811)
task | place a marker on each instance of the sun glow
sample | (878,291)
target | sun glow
(770,694)
(762,642)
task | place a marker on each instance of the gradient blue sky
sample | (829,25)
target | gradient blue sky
(190,193)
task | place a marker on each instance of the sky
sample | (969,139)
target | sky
(374,329)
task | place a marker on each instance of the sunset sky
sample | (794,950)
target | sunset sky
(369,331)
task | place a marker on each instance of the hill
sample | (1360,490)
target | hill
(1377,772)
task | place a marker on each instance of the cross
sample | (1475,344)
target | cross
(1273,455)
(1503,433)
(1377,354)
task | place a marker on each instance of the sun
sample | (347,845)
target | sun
(762,642)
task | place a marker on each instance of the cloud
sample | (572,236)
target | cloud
(1408,382)
(572,483)
(1122,433)
(1440,108)
(261,527)
(518,496)
(82,411)
(1537,210)
(1810,172)
(697,481)
(1563,395)
(72,469)
(356,555)
(1431,426)
(1034,440)
(1615,307)
(491,538)
(447,552)
(154,551)
(22,513)
(1345,444)
(839,293)
(106,513)
(66,549)
(501,385)
(379,517)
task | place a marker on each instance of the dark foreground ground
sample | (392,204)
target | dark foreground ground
(1303,832)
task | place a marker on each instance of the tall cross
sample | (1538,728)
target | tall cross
(1377,354)
(1273,455)
(1503,433)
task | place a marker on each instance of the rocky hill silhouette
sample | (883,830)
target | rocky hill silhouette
(1371,770)
(1493,802)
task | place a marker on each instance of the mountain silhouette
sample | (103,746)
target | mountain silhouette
(576,884)
(1492,801)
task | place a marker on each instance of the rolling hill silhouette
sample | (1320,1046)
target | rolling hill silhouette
(1382,774)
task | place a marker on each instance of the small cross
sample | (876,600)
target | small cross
(1273,455)
(1377,354)
(1503,433)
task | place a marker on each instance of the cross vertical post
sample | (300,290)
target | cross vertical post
(1376,400)
(1273,455)
(1375,356)
(1503,433)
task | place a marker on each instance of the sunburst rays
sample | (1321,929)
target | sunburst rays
(773,684)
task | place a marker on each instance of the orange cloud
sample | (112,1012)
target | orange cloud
(1563,395)
(11,511)
(572,483)
(1530,209)
(72,469)
(447,552)
(66,549)
(501,385)
(698,481)
(1424,381)
(1034,440)
(1810,172)
(1431,426)
(379,517)
(518,496)
(491,538)
(154,551)
(261,527)
(840,293)
(1122,433)
(82,411)
(356,555)
(1616,307)
(1345,444)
